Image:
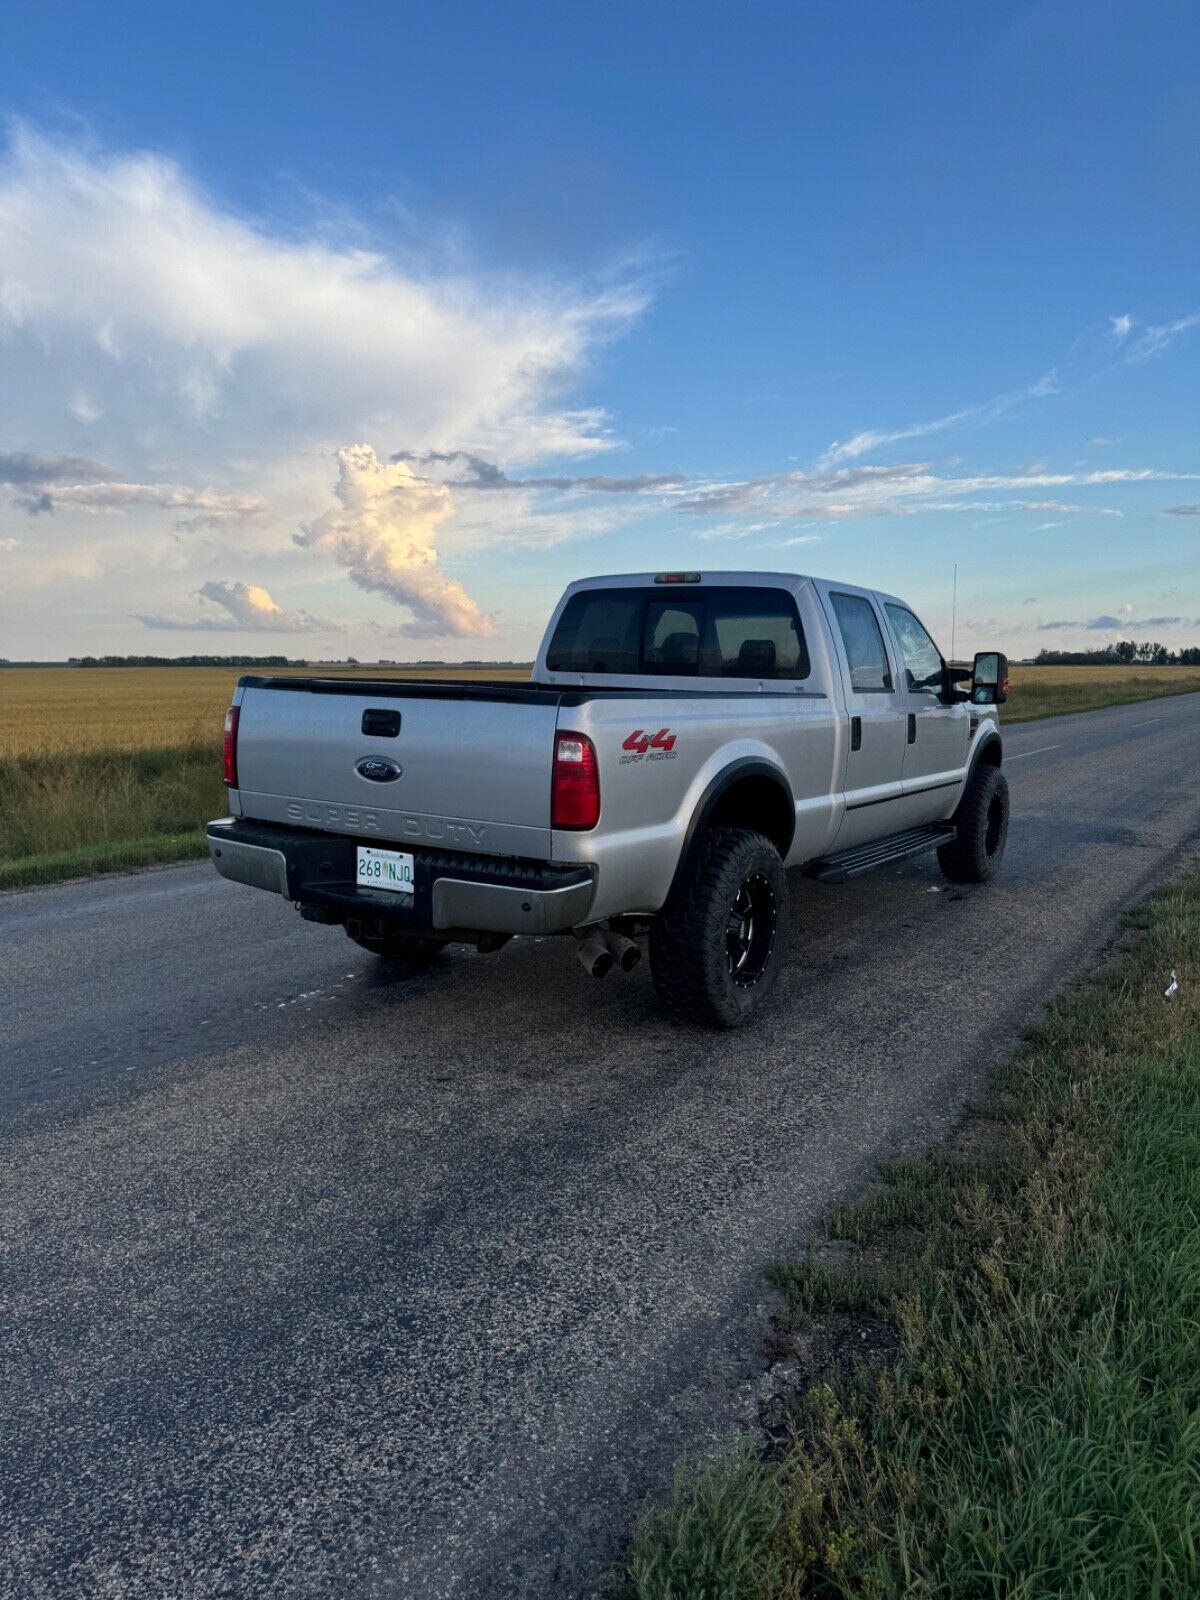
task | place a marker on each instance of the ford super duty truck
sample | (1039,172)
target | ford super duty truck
(684,738)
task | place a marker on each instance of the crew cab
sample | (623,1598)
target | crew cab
(685,738)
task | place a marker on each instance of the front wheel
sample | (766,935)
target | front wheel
(407,953)
(717,947)
(981,820)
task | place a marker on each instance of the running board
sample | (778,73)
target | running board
(861,858)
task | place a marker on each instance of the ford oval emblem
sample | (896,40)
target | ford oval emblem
(379,769)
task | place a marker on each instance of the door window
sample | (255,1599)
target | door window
(863,639)
(923,665)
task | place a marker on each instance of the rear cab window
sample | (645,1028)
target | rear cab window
(717,631)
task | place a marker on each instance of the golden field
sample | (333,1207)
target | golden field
(136,708)
(107,768)
(1054,691)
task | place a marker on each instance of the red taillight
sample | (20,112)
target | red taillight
(575,796)
(229,747)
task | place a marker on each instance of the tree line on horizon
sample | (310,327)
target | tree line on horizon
(183,661)
(1126,653)
(246,661)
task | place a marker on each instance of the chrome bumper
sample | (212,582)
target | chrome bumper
(255,864)
(318,870)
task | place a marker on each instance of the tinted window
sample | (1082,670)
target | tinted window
(752,633)
(863,640)
(922,658)
(714,632)
(672,642)
(599,631)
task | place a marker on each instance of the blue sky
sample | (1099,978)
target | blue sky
(859,289)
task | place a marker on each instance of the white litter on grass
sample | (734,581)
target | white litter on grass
(1172,987)
(934,888)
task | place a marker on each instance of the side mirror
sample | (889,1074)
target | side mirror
(989,681)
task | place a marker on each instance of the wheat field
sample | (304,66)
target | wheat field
(106,768)
(64,709)
(136,708)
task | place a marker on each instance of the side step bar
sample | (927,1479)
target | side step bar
(860,858)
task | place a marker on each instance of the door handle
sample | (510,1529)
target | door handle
(912,727)
(856,733)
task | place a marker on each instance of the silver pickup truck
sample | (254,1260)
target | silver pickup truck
(684,738)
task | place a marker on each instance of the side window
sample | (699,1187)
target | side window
(923,665)
(672,642)
(863,639)
(752,633)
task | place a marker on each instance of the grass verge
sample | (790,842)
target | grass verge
(66,814)
(1030,1426)
(90,860)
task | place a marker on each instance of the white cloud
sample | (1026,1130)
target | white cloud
(385,534)
(1121,326)
(904,489)
(1160,337)
(863,443)
(140,288)
(242,608)
(219,362)
(83,407)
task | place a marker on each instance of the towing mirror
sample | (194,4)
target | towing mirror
(989,681)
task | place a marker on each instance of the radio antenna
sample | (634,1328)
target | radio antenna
(954,616)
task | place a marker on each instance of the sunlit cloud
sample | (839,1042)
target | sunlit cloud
(384,531)
(239,608)
(217,362)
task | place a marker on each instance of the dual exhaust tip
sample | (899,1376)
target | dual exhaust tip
(599,951)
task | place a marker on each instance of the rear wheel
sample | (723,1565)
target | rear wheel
(716,949)
(407,953)
(975,852)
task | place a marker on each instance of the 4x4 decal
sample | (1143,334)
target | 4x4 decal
(641,746)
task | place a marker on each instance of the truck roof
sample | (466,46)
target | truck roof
(688,576)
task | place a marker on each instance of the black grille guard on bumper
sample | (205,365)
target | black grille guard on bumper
(454,891)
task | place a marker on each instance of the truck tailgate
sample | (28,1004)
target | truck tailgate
(474,767)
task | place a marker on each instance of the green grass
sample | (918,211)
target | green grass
(1039,1433)
(67,814)
(155,850)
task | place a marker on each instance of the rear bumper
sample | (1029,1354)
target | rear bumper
(455,893)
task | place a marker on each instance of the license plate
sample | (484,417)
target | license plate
(384,869)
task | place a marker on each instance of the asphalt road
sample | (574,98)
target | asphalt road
(317,1284)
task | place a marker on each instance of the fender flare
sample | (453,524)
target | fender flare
(736,772)
(990,741)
